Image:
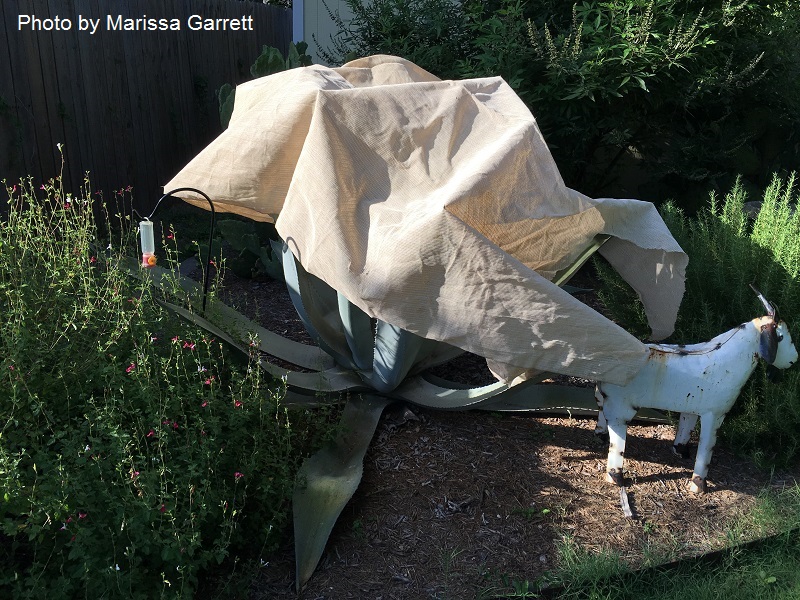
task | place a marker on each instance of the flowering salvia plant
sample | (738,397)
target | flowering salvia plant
(135,454)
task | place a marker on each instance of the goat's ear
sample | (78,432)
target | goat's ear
(768,342)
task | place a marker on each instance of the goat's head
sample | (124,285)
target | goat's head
(775,342)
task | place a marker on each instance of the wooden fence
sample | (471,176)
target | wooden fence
(129,106)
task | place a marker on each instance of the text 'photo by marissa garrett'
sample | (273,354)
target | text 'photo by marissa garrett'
(143,23)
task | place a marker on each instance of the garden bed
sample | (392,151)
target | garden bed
(469,504)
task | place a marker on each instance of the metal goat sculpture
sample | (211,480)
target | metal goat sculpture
(699,381)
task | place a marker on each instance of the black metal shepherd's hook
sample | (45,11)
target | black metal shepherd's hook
(210,232)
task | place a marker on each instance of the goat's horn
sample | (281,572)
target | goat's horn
(770,309)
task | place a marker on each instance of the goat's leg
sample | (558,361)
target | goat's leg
(617,431)
(601,429)
(685,426)
(709,424)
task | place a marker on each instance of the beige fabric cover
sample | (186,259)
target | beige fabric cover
(437,207)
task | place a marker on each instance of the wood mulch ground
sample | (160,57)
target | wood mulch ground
(459,504)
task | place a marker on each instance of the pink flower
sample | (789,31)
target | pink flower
(11,367)
(131,367)
(237,403)
(150,433)
(170,236)
(204,404)
(167,422)
(176,339)
(238,475)
(153,338)
(92,259)
(163,508)
(129,188)
(81,515)
(134,475)
(189,345)
(174,425)
(14,189)
(42,187)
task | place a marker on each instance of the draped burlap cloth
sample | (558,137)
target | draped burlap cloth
(436,206)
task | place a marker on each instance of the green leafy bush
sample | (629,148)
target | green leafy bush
(135,455)
(727,251)
(636,93)
(430,33)
(641,98)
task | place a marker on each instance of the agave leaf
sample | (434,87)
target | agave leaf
(328,479)
(205,324)
(314,300)
(396,352)
(225,317)
(556,399)
(358,331)
(335,379)
(302,355)
(529,396)
(424,393)
(563,276)
(571,289)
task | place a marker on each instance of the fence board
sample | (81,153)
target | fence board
(51,99)
(139,107)
(25,146)
(131,107)
(9,123)
(67,96)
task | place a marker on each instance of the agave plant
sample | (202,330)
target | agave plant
(375,363)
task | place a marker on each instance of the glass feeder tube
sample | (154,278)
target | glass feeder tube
(148,244)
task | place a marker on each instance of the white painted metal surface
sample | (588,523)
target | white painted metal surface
(699,381)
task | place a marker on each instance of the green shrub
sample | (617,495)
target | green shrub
(431,33)
(635,98)
(135,456)
(643,92)
(727,251)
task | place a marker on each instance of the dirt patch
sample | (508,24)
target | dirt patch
(455,503)
(459,504)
